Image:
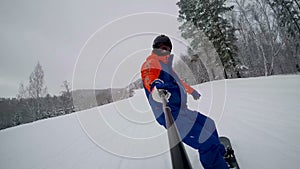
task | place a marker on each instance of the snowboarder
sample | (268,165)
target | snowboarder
(195,129)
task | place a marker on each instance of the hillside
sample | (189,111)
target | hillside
(260,115)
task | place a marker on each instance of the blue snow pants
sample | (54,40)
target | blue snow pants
(199,132)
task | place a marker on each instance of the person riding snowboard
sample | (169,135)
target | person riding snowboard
(195,129)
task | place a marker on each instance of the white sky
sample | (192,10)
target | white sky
(54,32)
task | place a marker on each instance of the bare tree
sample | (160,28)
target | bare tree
(23,92)
(25,101)
(261,41)
(268,31)
(66,97)
(37,89)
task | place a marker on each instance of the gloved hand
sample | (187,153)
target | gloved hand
(196,95)
(160,85)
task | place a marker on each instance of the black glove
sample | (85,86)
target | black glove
(196,95)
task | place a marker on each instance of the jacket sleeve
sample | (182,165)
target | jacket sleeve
(150,72)
(187,87)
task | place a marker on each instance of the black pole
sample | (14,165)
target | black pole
(179,156)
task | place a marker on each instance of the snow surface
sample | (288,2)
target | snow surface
(260,115)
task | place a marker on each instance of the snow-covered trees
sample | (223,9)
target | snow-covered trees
(201,54)
(208,16)
(33,93)
(34,103)
(266,46)
(287,14)
(257,36)
(66,98)
(37,88)
(191,69)
(250,37)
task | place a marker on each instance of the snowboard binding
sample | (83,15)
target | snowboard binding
(229,157)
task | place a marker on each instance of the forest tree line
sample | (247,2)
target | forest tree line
(33,102)
(240,38)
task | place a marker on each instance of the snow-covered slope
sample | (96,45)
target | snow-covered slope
(260,115)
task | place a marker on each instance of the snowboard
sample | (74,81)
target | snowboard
(229,155)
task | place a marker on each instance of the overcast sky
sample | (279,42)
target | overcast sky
(92,44)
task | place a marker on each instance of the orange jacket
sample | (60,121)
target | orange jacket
(152,68)
(159,69)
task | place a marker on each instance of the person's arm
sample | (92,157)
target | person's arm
(150,72)
(150,76)
(189,89)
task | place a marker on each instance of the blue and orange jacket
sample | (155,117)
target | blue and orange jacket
(160,68)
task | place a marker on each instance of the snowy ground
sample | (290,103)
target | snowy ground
(260,115)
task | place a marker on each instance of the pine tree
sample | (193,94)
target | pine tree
(208,16)
(201,51)
(288,15)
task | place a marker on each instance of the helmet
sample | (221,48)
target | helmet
(162,40)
